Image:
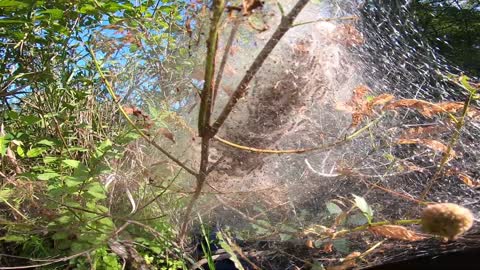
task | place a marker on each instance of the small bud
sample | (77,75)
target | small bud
(447,220)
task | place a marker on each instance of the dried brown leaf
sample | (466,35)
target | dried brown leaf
(417,132)
(249,5)
(360,107)
(309,244)
(468,180)
(409,166)
(429,109)
(348,262)
(396,232)
(432,144)
(166,133)
(328,247)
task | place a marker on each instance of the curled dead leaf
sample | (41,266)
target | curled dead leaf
(166,133)
(432,144)
(417,132)
(396,232)
(249,5)
(429,109)
(468,180)
(348,262)
(328,247)
(309,244)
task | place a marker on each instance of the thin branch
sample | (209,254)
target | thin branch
(303,150)
(208,87)
(130,121)
(285,24)
(348,18)
(223,63)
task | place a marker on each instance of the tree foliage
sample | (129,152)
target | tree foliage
(453,27)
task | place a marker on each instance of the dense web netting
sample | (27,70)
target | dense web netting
(370,95)
(305,96)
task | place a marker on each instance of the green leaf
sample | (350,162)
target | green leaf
(71,163)
(103,147)
(14,238)
(358,219)
(285,237)
(3,145)
(74,181)
(60,235)
(364,207)
(17,4)
(229,250)
(47,176)
(46,142)
(96,191)
(54,13)
(5,194)
(65,219)
(341,245)
(6,3)
(333,209)
(20,151)
(30,119)
(35,152)
(48,160)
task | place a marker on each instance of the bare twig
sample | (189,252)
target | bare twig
(285,24)
(223,63)
(130,121)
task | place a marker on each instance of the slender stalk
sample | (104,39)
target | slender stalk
(453,141)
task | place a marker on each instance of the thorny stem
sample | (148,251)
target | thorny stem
(453,141)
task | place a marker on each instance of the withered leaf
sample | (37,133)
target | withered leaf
(249,5)
(432,144)
(416,132)
(328,247)
(348,262)
(468,180)
(309,244)
(396,232)
(166,133)
(429,109)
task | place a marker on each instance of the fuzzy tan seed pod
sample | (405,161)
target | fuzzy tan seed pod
(448,220)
